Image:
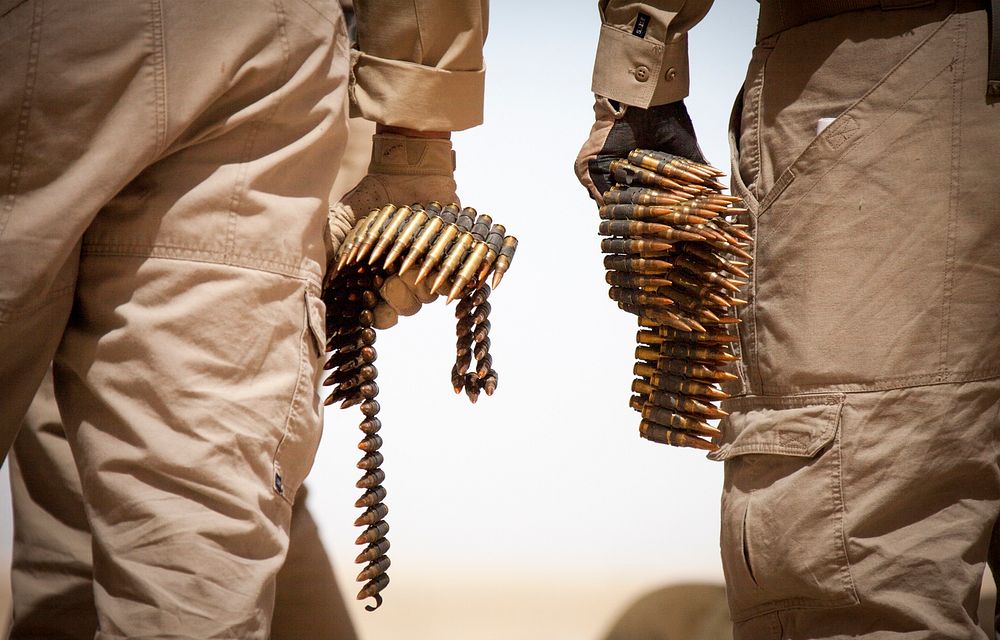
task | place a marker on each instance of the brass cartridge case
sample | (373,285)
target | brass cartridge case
(658,433)
(436,252)
(636,265)
(372,515)
(421,243)
(370,480)
(373,533)
(373,232)
(635,247)
(634,281)
(472,264)
(405,237)
(374,569)
(372,551)
(452,260)
(389,233)
(504,259)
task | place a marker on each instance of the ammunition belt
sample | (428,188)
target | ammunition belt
(460,249)
(676,258)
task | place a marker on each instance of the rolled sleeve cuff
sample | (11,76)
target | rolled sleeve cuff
(415,96)
(638,72)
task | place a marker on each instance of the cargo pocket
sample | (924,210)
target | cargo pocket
(303,426)
(782,507)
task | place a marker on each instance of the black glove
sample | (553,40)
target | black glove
(619,129)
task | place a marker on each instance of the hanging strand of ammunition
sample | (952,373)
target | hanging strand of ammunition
(677,255)
(456,251)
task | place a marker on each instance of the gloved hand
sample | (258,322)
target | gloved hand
(417,167)
(618,129)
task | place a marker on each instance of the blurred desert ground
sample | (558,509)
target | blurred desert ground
(537,513)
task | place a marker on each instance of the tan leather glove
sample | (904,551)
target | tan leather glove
(403,170)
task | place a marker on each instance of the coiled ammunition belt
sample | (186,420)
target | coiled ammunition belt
(676,258)
(459,249)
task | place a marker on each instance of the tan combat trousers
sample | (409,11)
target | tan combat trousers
(862,479)
(163,173)
(52,575)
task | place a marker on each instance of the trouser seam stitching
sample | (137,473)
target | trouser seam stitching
(24,118)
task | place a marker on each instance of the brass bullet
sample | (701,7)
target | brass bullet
(421,243)
(669,418)
(371,425)
(692,351)
(504,259)
(643,196)
(472,387)
(436,252)
(472,264)
(452,260)
(626,173)
(374,533)
(390,233)
(669,400)
(664,164)
(342,253)
(489,383)
(636,265)
(372,234)
(672,335)
(371,461)
(372,590)
(458,378)
(370,480)
(634,281)
(374,569)
(692,370)
(372,515)
(371,497)
(687,387)
(360,231)
(370,443)
(638,298)
(658,433)
(714,260)
(659,315)
(372,551)
(402,241)
(640,247)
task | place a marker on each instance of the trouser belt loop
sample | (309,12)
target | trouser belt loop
(993,68)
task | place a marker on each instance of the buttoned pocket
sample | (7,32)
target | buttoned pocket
(782,507)
(297,449)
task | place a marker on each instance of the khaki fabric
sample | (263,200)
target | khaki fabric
(862,479)
(163,196)
(642,57)
(52,572)
(420,63)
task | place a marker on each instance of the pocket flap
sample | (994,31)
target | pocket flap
(792,426)
(316,318)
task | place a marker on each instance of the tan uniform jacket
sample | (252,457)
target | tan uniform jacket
(414,52)
(642,55)
(420,63)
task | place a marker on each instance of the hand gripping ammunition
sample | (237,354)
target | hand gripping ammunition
(461,248)
(677,252)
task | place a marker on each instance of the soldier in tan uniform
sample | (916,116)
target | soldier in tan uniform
(862,453)
(163,237)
